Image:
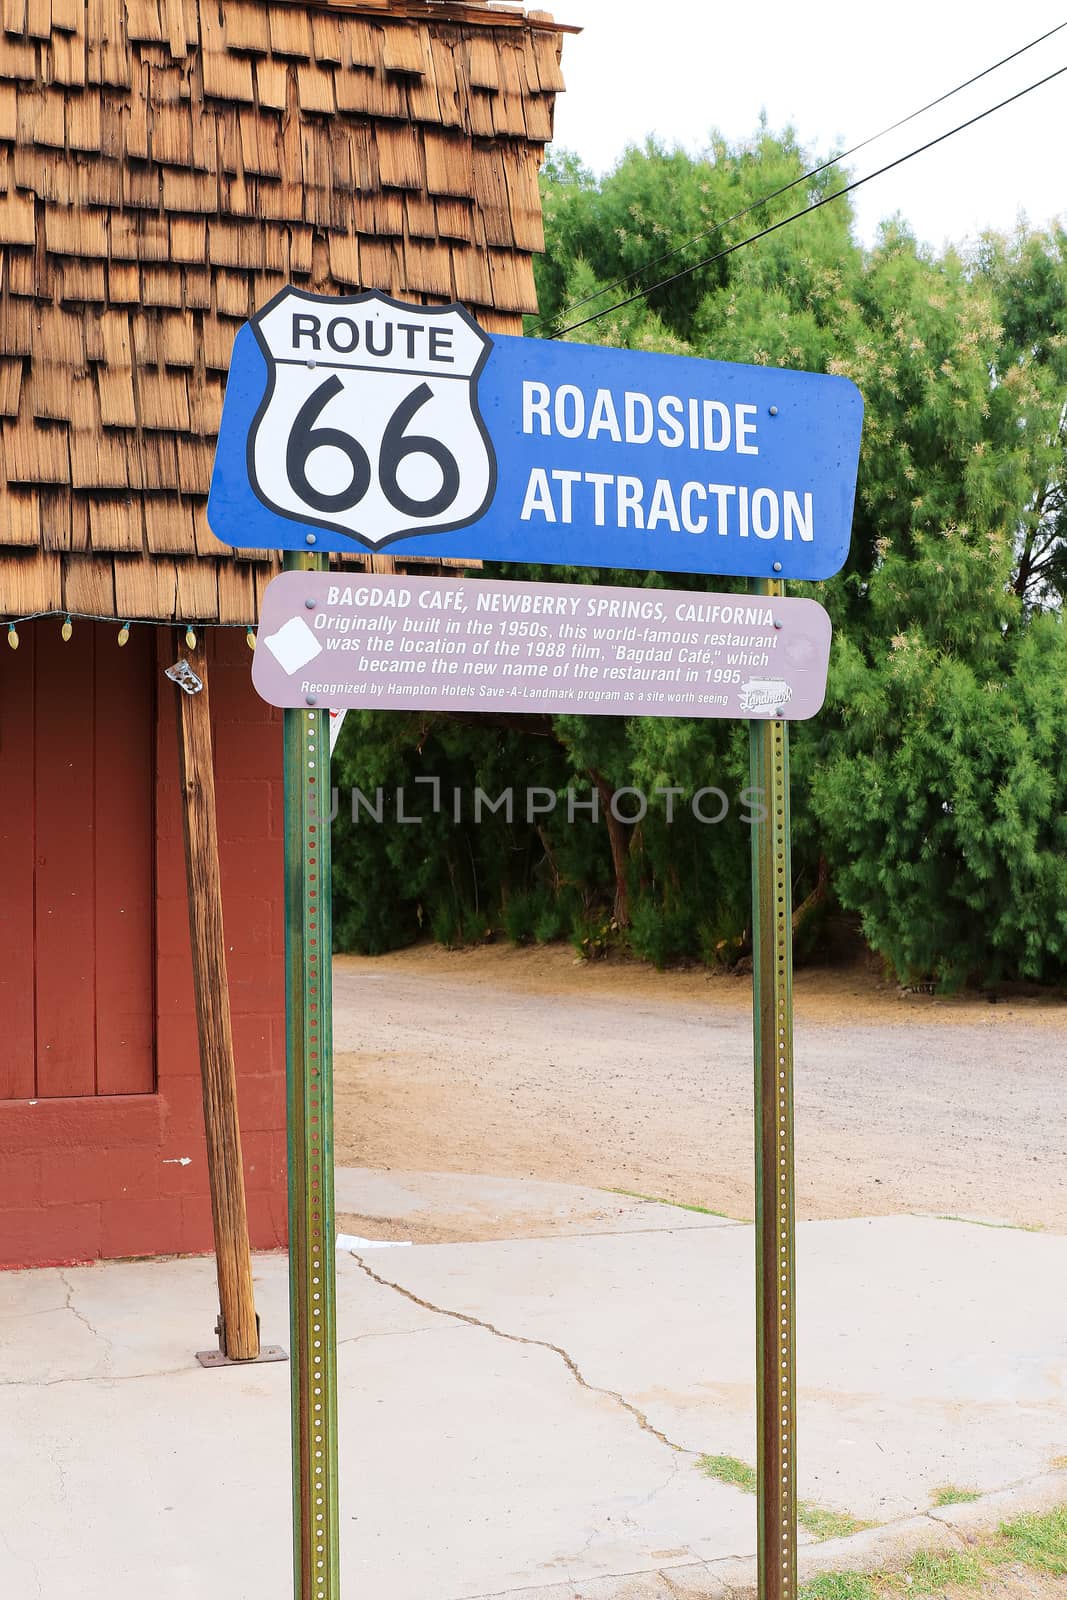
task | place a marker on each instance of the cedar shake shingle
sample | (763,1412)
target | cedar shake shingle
(165,167)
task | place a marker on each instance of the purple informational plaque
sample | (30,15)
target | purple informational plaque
(435,644)
(353,641)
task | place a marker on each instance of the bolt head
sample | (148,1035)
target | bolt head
(311,700)
(309,605)
(773,410)
(311,538)
(777,564)
(777,622)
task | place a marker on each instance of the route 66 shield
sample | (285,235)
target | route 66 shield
(370,421)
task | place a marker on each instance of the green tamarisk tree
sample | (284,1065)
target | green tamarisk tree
(929,795)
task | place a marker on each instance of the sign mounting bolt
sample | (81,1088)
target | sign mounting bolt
(311,538)
(309,605)
(777,622)
(773,410)
(777,564)
(311,700)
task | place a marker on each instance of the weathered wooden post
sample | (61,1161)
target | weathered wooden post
(238,1325)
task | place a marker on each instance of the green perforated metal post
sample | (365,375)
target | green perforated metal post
(309,1059)
(772,1011)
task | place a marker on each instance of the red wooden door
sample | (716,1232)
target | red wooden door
(76,863)
(17,847)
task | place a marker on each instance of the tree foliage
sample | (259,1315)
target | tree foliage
(929,796)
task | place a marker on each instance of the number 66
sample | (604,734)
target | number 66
(396,447)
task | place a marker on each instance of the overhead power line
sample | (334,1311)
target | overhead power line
(857,183)
(815,172)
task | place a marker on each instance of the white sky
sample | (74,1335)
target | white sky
(838,70)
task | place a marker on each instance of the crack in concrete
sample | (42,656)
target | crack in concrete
(600,1233)
(91,1377)
(99,1377)
(935,1522)
(26,1562)
(385,1333)
(61,1474)
(544,1344)
(735,1585)
(538,1589)
(68,1305)
(664,1575)
(168,1372)
(627,1519)
(630,1517)
(578,1555)
(42,1311)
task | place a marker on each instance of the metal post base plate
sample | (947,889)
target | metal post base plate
(267,1352)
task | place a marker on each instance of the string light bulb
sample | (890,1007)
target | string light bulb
(190,637)
(12,636)
(124,634)
(66,630)
(250,638)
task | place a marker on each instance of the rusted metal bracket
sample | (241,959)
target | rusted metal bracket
(183,675)
(219,1358)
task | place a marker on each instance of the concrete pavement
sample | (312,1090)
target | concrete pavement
(523,1414)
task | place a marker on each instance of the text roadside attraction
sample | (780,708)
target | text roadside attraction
(360,423)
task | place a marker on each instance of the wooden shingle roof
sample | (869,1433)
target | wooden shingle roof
(168,165)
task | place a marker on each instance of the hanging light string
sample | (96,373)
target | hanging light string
(125,625)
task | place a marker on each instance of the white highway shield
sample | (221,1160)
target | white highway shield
(370,420)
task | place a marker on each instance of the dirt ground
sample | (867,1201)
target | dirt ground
(519,1063)
(1016,1583)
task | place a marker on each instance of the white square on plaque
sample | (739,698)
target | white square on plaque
(294,645)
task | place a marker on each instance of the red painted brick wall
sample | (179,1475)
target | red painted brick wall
(124,1175)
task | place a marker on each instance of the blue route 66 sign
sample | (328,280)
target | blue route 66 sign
(360,422)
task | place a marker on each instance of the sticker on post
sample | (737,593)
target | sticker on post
(336,721)
(294,645)
(764,697)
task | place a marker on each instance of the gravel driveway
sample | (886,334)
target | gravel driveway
(524,1063)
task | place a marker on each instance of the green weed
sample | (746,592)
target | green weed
(951,1495)
(839,1586)
(934,1570)
(977,1222)
(824,1524)
(1038,1541)
(728,1469)
(679,1205)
